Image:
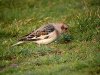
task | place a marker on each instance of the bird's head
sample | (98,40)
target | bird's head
(64,28)
(61,27)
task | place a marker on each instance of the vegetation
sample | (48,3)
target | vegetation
(74,53)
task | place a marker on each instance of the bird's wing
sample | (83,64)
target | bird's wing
(39,34)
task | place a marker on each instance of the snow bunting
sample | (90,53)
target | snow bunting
(45,34)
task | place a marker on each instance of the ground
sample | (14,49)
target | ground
(75,53)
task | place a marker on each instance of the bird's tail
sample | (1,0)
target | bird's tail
(18,43)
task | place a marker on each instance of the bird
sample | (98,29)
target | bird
(45,34)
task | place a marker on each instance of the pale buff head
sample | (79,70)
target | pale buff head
(60,27)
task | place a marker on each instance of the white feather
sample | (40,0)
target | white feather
(20,42)
(52,37)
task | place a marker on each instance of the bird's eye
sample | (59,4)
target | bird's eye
(66,28)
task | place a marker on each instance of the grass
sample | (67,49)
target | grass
(74,53)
